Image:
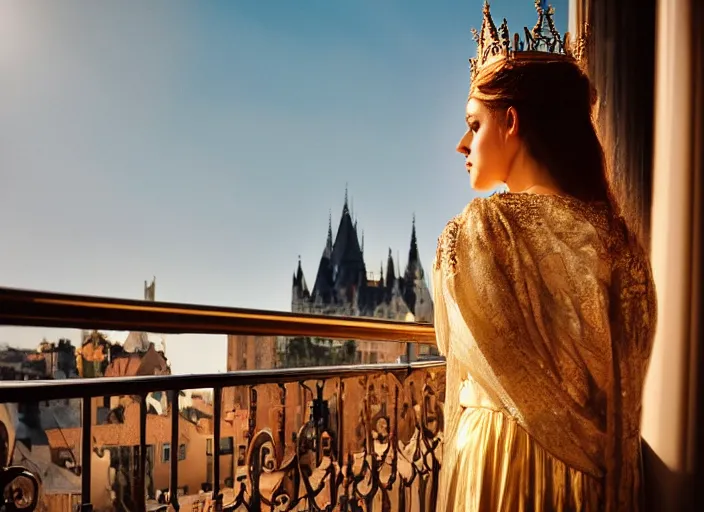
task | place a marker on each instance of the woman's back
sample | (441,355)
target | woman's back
(545,310)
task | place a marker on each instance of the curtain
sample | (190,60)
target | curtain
(621,64)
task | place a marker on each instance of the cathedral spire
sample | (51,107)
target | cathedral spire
(390,270)
(347,261)
(328,244)
(299,279)
(413,268)
(414,239)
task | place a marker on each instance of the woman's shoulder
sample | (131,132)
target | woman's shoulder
(496,222)
(534,210)
(478,217)
(505,207)
(477,209)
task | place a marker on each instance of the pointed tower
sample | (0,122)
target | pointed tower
(416,293)
(159,340)
(390,274)
(150,290)
(322,292)
(414,270)
(328,243)
(299,291)
(301,279)
(347,259)
(393,306)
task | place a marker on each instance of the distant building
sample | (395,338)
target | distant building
(47,361)
(342,285)
(60,359)
(247,353)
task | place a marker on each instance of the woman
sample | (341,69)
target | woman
(545,305)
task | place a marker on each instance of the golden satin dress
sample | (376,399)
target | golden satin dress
(545,310)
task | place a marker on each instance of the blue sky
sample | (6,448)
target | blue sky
(205,142)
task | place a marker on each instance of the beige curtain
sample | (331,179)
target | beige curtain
(672,426)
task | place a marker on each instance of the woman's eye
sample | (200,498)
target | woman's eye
(474,127)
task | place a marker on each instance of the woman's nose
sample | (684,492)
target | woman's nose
(463,144)
(460,148)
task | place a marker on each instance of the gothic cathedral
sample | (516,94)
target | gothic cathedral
(342,285)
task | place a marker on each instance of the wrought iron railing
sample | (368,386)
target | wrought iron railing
(355,437)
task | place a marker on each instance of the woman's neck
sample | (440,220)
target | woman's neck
(527,176)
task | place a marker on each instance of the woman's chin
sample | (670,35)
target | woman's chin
(480,185)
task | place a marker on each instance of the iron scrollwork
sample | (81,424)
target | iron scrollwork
(20,489)
(369,443)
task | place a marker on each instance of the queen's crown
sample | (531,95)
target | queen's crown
(542,42)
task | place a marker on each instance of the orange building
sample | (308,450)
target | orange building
(116,453)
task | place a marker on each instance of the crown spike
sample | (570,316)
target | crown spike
(505,37)
(542,42)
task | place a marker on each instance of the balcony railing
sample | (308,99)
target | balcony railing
(354,437)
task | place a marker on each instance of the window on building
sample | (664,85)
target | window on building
(182,452)
(64,457)
(165,452)
(101,415)
(226,446)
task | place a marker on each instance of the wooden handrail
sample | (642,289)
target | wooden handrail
(45,309)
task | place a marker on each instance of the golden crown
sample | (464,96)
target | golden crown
(542,42)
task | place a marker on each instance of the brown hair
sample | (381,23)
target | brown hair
(554,101)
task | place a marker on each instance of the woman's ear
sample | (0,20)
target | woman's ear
(511,121)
